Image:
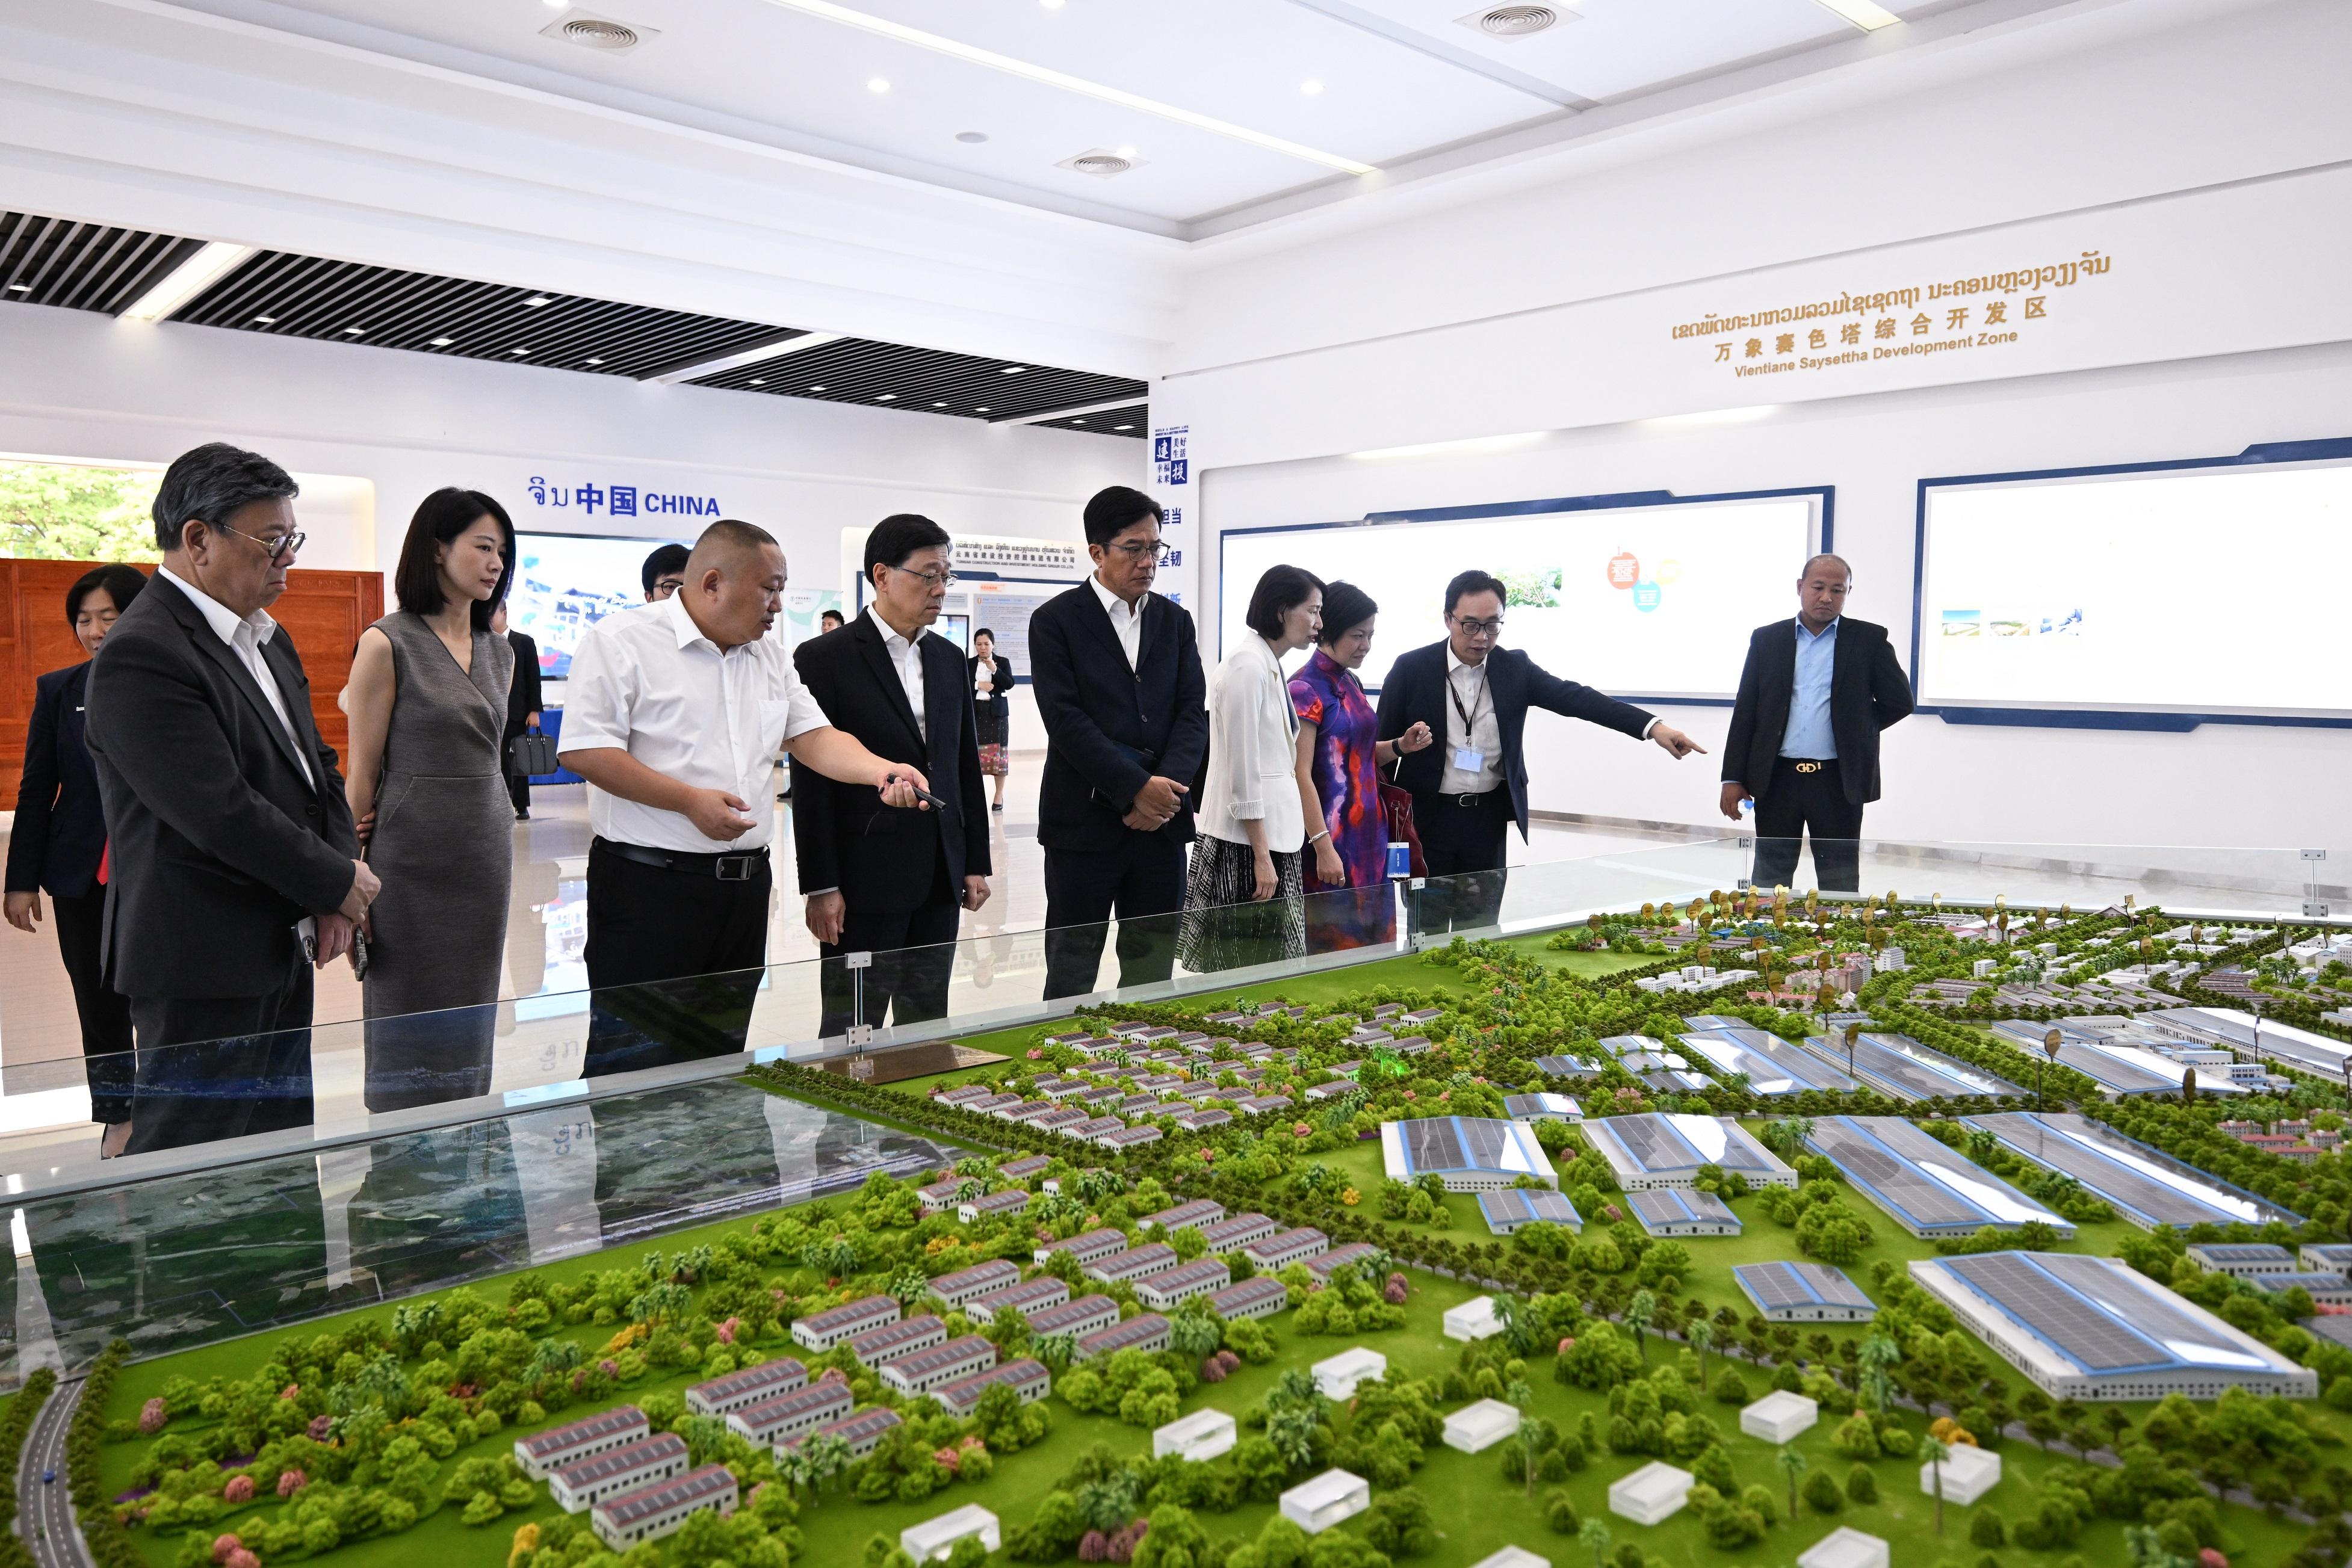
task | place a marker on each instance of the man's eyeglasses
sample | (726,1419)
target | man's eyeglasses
(1158,550)
(935,579)
(1479,628)
(283,549)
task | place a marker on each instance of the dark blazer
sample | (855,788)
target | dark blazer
(999,706)
(1868,692)
(1414,692)
(1109,728)
(523,696)
(882,857)
(220,846)
(60,825)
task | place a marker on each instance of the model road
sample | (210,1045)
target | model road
(44,1513)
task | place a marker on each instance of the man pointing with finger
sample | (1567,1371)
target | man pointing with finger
(674,714)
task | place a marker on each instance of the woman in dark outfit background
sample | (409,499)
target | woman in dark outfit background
(992,706)
(59,837)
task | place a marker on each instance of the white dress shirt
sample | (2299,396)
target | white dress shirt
(1485,731)
(245,638)
(907,658)
(1125,619)
(645,680)
(1253,751)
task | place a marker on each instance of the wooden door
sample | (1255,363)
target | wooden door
(324,612)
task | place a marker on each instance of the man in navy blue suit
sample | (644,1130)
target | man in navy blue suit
(1117,672)
(1475,694)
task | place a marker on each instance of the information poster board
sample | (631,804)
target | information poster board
(565,583)
(1645,599)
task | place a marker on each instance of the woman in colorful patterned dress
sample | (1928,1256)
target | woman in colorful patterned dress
(1339,780)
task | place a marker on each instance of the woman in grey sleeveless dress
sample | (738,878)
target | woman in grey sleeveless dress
(428,786)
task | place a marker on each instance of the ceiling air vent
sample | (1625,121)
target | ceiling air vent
(599,33)
(1510,22)
(1102,163)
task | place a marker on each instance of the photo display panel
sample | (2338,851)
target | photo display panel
(2193,590)
(565,583)
(1642,601)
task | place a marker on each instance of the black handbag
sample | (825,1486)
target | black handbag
(531,754)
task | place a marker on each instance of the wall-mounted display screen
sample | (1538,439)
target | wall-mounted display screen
(565,583)
(2216,591)
(1650,600)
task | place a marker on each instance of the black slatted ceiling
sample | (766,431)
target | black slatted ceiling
(342,301)
(929,380)
(1136,418)
(82,266)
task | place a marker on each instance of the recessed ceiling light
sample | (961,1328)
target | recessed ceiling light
(1079,421)
(594,361)
(1867,15)
(758,380)
(443,342)
(888,397)
(900,32)
(877,84)
(518,350)
(971,138)
(210,262)
(536,300)
(20,288)
(980,411)
(1310,87)
(354,332)
(1014,370)
(258,320)
(816,388)
(939,405)
(1122,427)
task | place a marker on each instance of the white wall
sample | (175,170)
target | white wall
(2199,145)
(85,386)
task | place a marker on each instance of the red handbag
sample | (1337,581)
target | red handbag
(1397,804)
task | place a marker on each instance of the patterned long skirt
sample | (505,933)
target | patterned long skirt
(1223,927)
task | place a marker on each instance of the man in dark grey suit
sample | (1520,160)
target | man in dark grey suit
(1803,745)
(233,866)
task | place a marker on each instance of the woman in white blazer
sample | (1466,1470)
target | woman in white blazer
(1243,900)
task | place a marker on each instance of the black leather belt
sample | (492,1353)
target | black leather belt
(1474,797)
(725,868)
(1809,764)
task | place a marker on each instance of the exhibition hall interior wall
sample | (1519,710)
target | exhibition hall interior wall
(1520,344)
(392,426)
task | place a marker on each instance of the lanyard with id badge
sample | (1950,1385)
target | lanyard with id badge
(1467,756)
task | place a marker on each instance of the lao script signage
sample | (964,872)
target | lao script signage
(618,500)
(1989,310)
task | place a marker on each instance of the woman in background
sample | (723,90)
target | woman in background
(992,690)
(1242,899)
(59,839)
(1338,780)
(428,787)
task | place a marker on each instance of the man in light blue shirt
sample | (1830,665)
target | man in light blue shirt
(1803,745)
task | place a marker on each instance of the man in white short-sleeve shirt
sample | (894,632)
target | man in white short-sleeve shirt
(674,713)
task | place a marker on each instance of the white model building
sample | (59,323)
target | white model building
(1513,1557)
(2099,1330)
(1779,1416)
(1845,1547)
(1474,1428)
(1316,1506)
(1653,1493)
(1200,1436)
(1473,1320)
(1338,1376)
(932,1540)
(1467,1154)
(1969,1472)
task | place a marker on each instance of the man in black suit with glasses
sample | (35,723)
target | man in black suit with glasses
(1117,674)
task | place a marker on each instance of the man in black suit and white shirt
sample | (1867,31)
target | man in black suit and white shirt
(893,884)
(1466,791)
(1803,744)
(234,867)
(1117,674)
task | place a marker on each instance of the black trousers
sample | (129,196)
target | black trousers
(1796,803)
(221,1067)
(1462,838)
(1142,882)
(914,956)
(106,1039)
(675,957)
